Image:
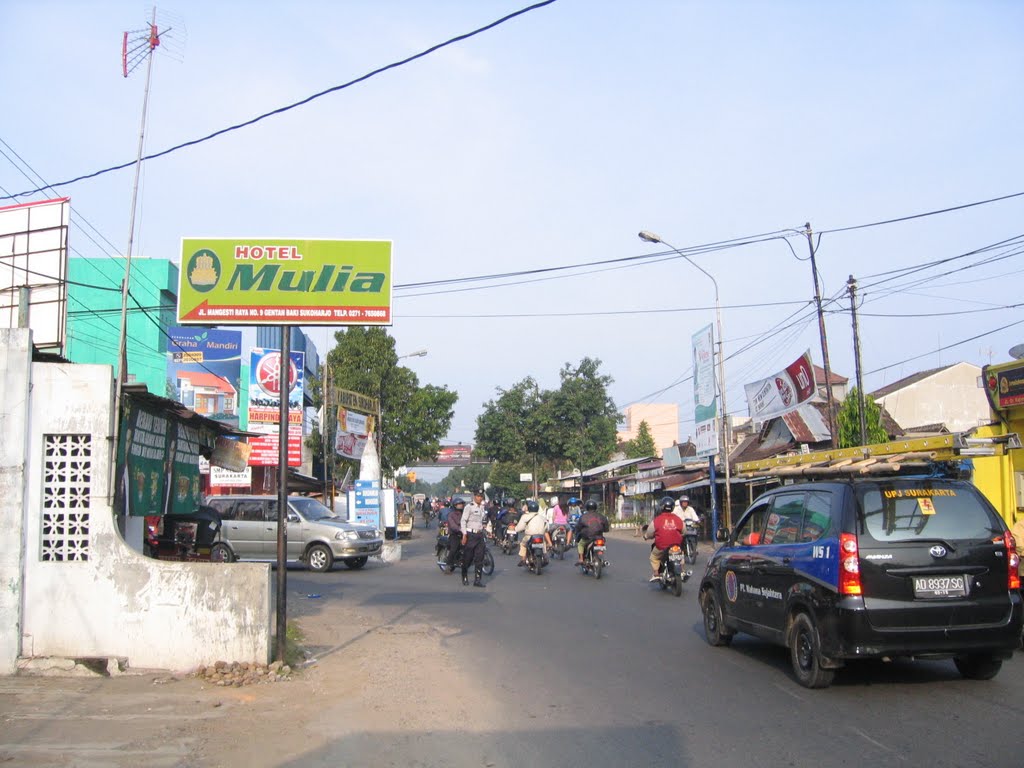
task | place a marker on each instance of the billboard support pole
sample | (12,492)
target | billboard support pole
(285,386)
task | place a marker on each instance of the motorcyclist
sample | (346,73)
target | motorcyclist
(591,525)
(507,516)
(685,511)
(667,531)
(532,523)
(455,532)
(573,518)
(556,518)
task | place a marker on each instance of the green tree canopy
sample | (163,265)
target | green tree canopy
(848,418)
(414,418)
(642,445)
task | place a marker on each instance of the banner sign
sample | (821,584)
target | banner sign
(455,455)
(280,281)
(205,367)
(350,445)
(705,400)
(783,392)
(266,382)
(226,478)
(350,421)
(185,451)
(349,399)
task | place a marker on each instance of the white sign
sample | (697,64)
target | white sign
(225,477)
(525,477)
(357,423)
(705,401)
(782,392)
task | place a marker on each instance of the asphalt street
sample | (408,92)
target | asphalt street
(410,668)
(616,672)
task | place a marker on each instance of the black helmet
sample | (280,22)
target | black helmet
(591,506)
(667,503)
(457,502)
(532,506)
(508,503)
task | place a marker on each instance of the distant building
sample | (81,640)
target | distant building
(949,396)
(662,420)
(839,384)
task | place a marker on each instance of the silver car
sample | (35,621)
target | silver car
(316,536)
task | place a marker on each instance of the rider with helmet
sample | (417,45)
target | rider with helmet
(532,523)
(591,525)
(454,520)
(573,517)
(667,531)
(556,517)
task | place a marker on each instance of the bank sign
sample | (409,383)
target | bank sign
(274,281)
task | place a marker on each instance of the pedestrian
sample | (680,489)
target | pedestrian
(474,518)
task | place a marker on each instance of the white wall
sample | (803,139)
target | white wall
(118,603)
(951,396)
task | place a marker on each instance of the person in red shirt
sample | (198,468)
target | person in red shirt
(667,531)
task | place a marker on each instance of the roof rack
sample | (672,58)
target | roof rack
(923,454)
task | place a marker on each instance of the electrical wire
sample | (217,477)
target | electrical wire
(302,102)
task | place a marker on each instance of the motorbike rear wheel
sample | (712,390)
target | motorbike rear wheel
(488,562)
(598,565)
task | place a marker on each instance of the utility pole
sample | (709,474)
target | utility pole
(851,286)
(325,436)
(824,339)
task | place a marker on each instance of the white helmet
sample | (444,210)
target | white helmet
(554,500)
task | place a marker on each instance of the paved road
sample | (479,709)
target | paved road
(616,672)
(413,669)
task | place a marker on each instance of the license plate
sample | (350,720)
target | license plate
(599,549)
(675,558)
(940,586)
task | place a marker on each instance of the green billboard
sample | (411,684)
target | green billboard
(278,281)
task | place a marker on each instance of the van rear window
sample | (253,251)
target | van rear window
(907,510)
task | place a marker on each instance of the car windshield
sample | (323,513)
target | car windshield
(311,509)
(921,509)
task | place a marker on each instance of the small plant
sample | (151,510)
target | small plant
(294,653)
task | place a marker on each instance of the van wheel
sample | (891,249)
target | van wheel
(805,654)
(714,628)
(319,558)
(355,563)
(978,666)
(221,553)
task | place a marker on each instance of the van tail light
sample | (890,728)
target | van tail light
(849,565)
(1012,562)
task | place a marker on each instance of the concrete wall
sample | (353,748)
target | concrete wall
(951,396)
(661,418)
(84,592)
(15,359)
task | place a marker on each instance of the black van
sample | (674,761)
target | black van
(869,568)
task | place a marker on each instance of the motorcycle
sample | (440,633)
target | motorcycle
(690,542)
(671,574)
(536,558)
(428,515)
(441,553)
(509,540)
(558,544)
(593,557)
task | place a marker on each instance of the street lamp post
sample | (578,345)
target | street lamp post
(650,237)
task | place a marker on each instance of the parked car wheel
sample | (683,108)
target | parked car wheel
(979,666)
(319,558)
(805,654)
(355,563)
(221,553)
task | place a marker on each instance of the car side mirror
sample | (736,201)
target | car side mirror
(722,534)
(292,517)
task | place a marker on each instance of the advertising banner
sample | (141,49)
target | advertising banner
(205,367)
(455,455)
(185,481)
(705,400)
(1005,384)
(143,456)
(783,392)
(268,281)
(350,445)
(267,379)
(226,478)
(357,423)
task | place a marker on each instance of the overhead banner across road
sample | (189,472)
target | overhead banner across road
(278,281)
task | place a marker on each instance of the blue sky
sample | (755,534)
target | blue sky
(551,140)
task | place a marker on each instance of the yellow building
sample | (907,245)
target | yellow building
(662,419)
(1001,478)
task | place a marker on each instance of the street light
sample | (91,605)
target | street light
(417,353)
(650,237)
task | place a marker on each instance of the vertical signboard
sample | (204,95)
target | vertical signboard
(367,502)
(205,366)
(267,379)
(705,401)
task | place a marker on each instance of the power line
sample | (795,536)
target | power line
(297,104)
(922,215)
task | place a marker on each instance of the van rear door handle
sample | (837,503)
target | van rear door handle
(787,560)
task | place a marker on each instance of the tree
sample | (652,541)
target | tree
(642,445)
(583,416)
(848,420)
(414,418)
